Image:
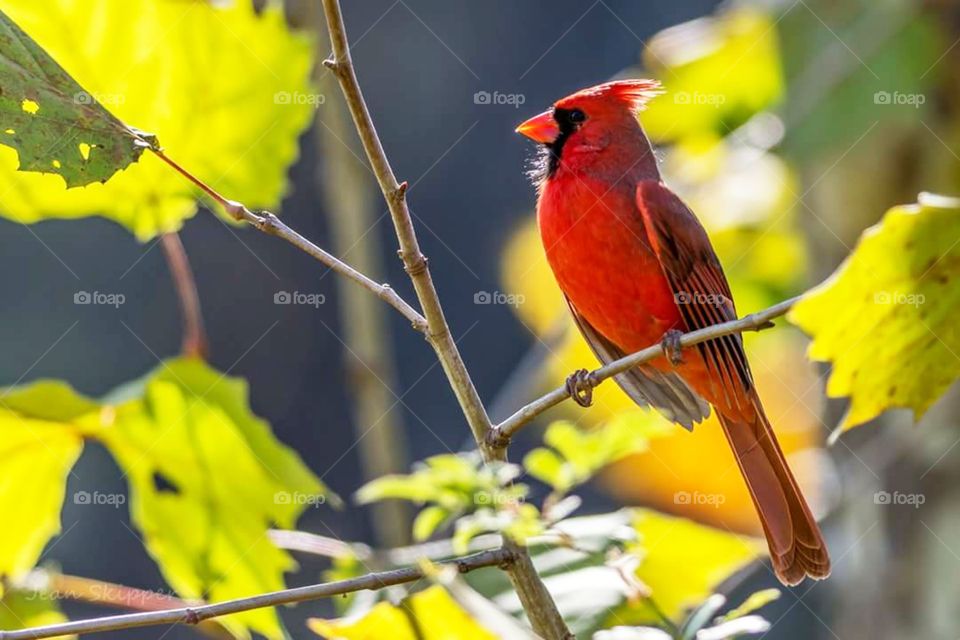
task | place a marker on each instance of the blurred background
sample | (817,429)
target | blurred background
(789,127)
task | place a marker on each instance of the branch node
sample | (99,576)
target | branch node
(497,439)
(235,209)
(335,66)
(400,192)
(416,266)
(190,616)
(268,223)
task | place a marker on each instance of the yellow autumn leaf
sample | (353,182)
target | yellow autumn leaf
(429,615)
(682,563)
(886,319)
(39,441)
(226,91)
(717,71)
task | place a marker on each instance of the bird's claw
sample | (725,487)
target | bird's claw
(670,343)
(580,385)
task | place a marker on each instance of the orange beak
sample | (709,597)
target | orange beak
(542,128)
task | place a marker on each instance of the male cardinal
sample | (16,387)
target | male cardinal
(637,267)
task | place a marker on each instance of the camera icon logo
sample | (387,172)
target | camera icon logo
(482,297)
(82,297)
(882,497)
(81,497)
(282,297)
(482,97)
(682,497)
(882,97)
(282,97)
(682,97)
(83,97)
(282,497)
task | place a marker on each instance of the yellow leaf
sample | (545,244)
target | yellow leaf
(39,442)
(226,91)
(24,610)
(207,481)
(683,563)
(886,319)
(717,71)
(434,613)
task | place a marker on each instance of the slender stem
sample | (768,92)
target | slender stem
(272,225)
(197,614)
(60,586)
(194,336)
(500,436)
(537,602)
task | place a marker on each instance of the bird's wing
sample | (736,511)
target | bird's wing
(664,391)
(699,286)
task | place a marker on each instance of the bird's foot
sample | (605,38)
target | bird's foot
(580,385)
(670,343)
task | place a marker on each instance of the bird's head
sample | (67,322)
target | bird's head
(590,120)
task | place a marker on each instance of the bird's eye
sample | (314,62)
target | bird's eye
(577,116)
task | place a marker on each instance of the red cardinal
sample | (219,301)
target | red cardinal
(637,267)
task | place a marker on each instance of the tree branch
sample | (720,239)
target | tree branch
(272,225)
(197,614)
(194,336)
(537,602)
(500,436)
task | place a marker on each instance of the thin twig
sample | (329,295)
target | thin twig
(58,586)
(537,602)
(195,615)
(272,225)
(194,336)
(500,436)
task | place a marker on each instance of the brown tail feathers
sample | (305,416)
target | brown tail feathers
(796,544)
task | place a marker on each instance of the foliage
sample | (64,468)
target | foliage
(42,116)
(576,455)
(892,301)
(228,90)
(429,615)
(207,479)
(22,610)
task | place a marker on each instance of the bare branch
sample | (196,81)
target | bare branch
(536,600)
(500,436)
(194,336)
(197,614)
(272,225)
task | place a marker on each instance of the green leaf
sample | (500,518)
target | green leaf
(24,609)
(41,437)
(886,319)
(428,521)
(577,454)
(718,71)
(227,91)
(208,479)
(429,615)
(753,602)
(56,126)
